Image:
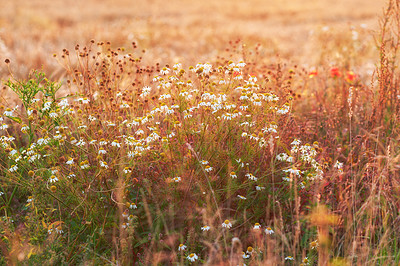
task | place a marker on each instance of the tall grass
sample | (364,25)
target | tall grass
(228,162)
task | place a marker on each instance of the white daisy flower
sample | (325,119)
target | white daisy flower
(269,231)
(53,114)
(8,112)
(208,168)
(251,177)
(132,205)
(257,226)
(71,175)
(314,244)
(295,142)
(164,71)
(54,171)
(338,165)
(83,100)
(125,225)
(124,105)
(245,256)
(115,143)
(227,224)
(205,228)
(192,257)
(243,64)
(53,179)
(104,164)
(102,142)
(46,106)
(59,230)
(24,128)
(127,170)
(13,168)
(4,126)
(84,164)
(182,247)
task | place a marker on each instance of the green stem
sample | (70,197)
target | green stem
(12,196)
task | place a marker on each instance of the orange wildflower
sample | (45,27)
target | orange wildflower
(350,76)
(335,73)
(313,74)
(236,73)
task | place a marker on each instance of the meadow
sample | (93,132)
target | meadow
(190,133)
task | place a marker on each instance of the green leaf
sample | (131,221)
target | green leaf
(141,242)
(16,119)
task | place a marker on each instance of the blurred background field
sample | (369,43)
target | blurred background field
(187,31)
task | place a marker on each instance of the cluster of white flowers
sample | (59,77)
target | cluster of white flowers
(271,128)
(306,154)
(146,90)
(251,176)
(293,171)
(284,109)
(202,69)
(284,157)
(338,165)
(82,100)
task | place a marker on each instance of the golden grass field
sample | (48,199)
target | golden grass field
(187,31)
(182,132)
